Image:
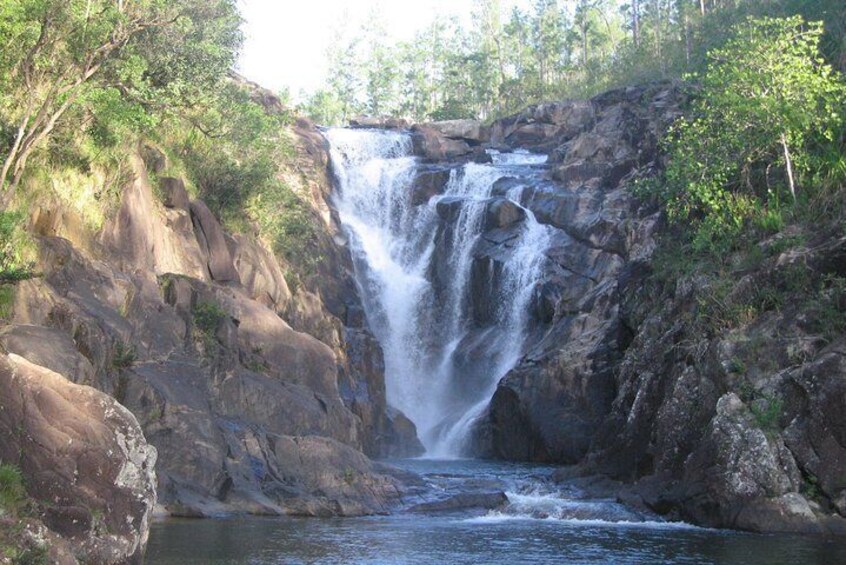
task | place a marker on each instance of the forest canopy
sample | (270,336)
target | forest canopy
(556,49)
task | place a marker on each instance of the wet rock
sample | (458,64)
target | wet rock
(362,388)
(505,185)
(84,454)
(402,440)
(502,213)
(449,208)
(464,501)
(428,183)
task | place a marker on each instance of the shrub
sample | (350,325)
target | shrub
(207,317)
(15,248)
(768,107)
(12,490)
(767,417)
(125,356)
(7,301)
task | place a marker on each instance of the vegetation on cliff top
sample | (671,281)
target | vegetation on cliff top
(83,82)
(499,63)
(764,135)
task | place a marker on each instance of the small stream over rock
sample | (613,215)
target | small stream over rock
(451,326)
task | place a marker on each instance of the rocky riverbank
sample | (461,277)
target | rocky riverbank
(716,398)
(161,338)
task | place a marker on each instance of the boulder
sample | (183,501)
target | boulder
(449,208)
(378,122)
(431,145)
(154,159)
(402,440)
(84,455)
(533,135)
(139,238)
(342,480)
(467,130)
(502,213)
(212,241)
(464,501)
(49,348)
(259,272)
(428,183)
(173,193)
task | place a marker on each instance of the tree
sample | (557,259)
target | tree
(766,97)
(57,52)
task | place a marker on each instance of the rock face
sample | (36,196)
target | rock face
(628,376)
(259,398)
(549,407)
(84,456)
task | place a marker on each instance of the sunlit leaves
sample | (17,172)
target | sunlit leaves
(767,101)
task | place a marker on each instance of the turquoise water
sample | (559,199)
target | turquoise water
(541,524)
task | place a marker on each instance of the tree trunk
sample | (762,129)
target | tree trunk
(636,22)
(789,162)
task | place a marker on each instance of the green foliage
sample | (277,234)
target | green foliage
(541,50)
(207,317)
(826,308)
(811,487)
(12,490)
(7,301)
(767,411)
(235,156)
(15,248)
(124,356)
(120,62)
(766,99)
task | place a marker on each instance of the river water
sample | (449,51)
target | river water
(537,525)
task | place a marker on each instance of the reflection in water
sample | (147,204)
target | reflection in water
(516,534)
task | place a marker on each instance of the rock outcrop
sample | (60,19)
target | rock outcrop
(85,460)
(644,380)
(259,397)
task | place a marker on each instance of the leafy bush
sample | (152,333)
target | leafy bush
(207,317)
(125,356)
(768,108)
(14,248)
(12,490)
(236,155)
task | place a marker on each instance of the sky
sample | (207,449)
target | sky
(286,40)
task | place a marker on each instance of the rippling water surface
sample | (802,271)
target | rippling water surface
(540,524)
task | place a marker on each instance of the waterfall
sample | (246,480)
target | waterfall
(441,366)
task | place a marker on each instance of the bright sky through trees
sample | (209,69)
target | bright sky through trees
(286,40)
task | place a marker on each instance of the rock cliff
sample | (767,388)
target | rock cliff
(258,397)
(713,399)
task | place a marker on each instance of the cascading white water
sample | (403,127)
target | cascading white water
(422,328)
